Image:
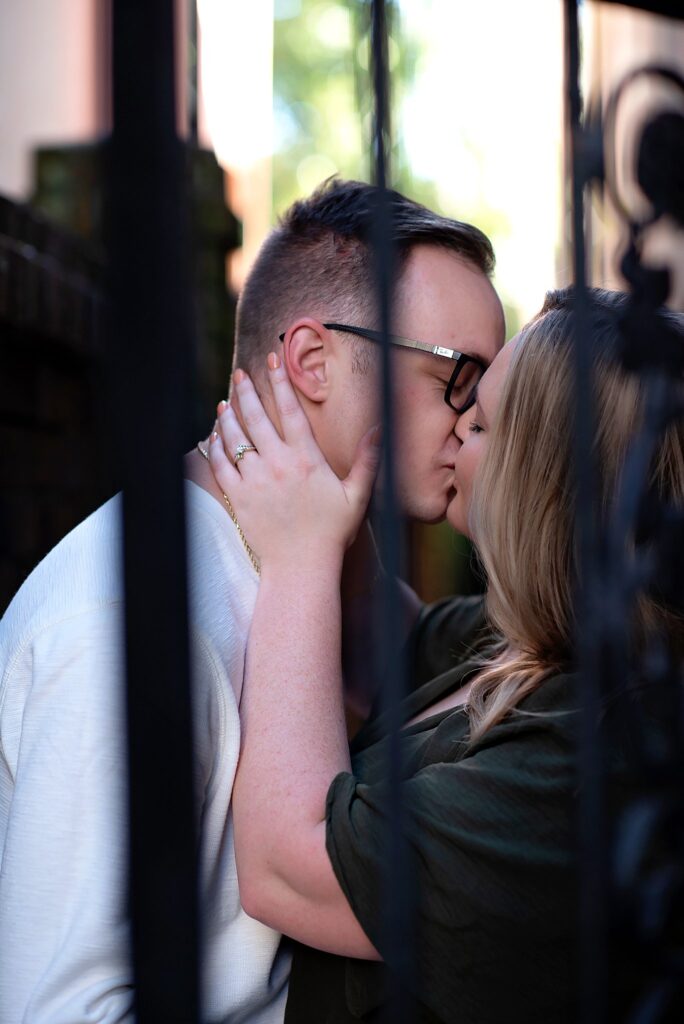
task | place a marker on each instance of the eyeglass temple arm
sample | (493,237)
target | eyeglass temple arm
(395,339)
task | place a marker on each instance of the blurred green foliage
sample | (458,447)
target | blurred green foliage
(323,106)
(323,97)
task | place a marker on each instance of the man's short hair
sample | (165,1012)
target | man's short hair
(318,261)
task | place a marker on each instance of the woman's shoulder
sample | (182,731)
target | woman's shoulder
(548,717)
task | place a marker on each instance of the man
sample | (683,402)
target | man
(64,953)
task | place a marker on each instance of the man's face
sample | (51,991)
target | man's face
(447,302)
(441,301)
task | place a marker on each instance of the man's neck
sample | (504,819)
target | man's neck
(361,564)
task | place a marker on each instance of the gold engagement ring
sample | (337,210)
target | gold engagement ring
(240,451)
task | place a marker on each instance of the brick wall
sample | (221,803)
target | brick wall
(50,319)
(53,471)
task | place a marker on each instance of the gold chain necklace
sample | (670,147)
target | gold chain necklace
(231,512)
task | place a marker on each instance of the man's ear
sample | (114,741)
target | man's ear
(306,353)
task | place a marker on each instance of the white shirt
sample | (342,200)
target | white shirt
(63,929)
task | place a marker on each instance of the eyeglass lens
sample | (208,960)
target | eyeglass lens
(465,381)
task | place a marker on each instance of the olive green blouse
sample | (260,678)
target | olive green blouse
(491,827)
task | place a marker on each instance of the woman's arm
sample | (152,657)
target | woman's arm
(294,743)
(299,518)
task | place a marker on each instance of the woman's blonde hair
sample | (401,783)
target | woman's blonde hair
(524,500)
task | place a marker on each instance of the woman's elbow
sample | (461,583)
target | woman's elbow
(251,904)
(255,885)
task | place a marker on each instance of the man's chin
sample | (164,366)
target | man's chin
(428,513)
(429,509)
(428,520)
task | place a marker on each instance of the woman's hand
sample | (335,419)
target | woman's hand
(287,499)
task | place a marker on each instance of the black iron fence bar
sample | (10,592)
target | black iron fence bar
(150,368)
(398,902)
(592,922)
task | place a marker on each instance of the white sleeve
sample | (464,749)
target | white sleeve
(64,950)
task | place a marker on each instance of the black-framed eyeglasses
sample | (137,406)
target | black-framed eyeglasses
(461,390)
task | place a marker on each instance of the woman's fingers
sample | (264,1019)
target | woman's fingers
(222,466)
(231,432)
(294,424)
(257,423)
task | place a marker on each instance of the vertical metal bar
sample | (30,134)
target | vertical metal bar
(193,72)
(151,362)
(399,906)
(591,809)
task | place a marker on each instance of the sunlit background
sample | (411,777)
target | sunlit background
(284,100)
(475,134)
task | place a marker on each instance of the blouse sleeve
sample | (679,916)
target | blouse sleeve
(444,634)
(490,841)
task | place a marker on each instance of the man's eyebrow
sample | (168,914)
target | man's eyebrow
(445,363)
(449,361)
(478,358)
(466,352)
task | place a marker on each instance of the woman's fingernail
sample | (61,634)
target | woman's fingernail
(239,376)
(214,437)
(222,406)
(273,360)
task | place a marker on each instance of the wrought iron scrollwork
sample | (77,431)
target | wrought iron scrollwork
(642,551)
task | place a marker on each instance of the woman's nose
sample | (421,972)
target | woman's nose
(463,422)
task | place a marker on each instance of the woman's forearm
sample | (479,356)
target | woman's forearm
(294,738)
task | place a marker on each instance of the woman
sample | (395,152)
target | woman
(489,746)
